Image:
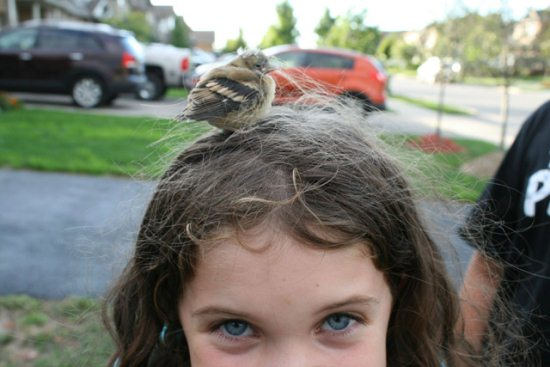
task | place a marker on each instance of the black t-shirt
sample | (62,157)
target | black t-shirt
(511,223)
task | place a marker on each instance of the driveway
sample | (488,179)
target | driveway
(63,235)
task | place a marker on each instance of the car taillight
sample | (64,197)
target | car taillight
(376,75)
(184,64)
(128,60)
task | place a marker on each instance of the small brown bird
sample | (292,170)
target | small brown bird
(234,95)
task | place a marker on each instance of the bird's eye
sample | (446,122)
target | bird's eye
(258,66)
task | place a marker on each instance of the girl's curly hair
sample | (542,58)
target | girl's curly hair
(302,168)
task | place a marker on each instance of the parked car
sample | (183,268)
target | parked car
(93,63)
(166,67)
(198,69)
(338,71)
(434,69)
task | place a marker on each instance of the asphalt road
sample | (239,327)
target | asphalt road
(483,101)
(63,235)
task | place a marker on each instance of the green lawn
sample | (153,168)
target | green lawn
(431,105)
(86,143)
(178,93)
(438,175)
(138,147)
(65,333)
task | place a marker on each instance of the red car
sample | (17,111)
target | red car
(336,71)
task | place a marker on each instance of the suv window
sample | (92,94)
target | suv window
(57,39)
(22,39)
(132,45)
(328,61)
(292,59)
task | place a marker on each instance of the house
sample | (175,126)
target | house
(526,30)
(13,12)
(203,40)
(527,37)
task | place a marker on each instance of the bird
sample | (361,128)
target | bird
(235,95)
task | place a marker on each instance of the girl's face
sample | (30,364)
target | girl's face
(285,305)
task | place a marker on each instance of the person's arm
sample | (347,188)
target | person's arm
(479,289)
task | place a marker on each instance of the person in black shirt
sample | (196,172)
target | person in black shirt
(510,228)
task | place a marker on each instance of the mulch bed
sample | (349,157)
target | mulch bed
(433,143)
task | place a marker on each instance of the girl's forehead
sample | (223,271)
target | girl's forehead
(270,237)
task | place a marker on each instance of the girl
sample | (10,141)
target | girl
(293,242)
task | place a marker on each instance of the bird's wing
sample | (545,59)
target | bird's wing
(217,97)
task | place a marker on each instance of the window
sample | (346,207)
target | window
(23,39)
(57,39)
(328,61)
(292,59)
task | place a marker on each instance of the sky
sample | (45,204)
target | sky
(225,17)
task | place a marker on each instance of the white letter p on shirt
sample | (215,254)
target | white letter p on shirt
(538,188)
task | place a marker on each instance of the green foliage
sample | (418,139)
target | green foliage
(180,34)
(325,24)
(350,31)
(8,102)
(136,22)
(285,31)
(407,53)
(34,318)
(386,47)
(478,41)
(18,302)
(233,45)
(53,338)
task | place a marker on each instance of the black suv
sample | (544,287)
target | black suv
(93,63)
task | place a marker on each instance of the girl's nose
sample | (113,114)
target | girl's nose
(297,353)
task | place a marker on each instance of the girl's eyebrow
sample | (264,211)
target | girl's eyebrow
(220,310)
(351,301)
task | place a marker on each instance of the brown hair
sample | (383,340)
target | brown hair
(303,168)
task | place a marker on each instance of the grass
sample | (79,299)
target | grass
(84,143)
(438,174)
(449,109)
(62,333)
(133,146)
(177,93)
(528,82)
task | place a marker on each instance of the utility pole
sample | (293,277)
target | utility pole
(442,81)
(12,13)
(506,62)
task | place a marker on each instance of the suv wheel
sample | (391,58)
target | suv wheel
(88,91)
(153,89)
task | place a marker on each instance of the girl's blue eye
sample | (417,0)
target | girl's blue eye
(236,328)
(337,322)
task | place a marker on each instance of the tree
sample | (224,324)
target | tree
(285,31)
(350,31)
(325,24)
(233,45)
(386,47)
(180,34)
(474,39)
(136,22)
